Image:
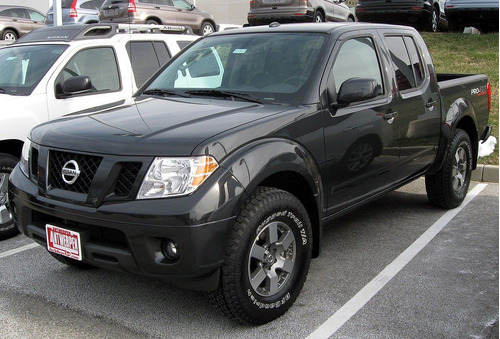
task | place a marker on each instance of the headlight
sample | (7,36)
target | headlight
(168,177)
(25,154)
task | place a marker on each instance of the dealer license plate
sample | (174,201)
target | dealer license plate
(63,242)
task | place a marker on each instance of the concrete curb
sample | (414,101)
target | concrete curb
(485,173)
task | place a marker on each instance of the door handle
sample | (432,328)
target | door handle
(430,103)
(390,115)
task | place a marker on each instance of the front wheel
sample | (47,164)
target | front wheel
(448,187)
(7,227)
(267,258)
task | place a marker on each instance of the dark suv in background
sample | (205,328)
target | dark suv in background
(158,12)
(77,12)
(428,15)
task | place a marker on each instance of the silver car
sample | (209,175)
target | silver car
(266,11)
(161,12)
(77,12)
(16,21)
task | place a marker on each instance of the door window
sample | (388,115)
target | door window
(99,64)
(406,61)
(146,58)
(357,58)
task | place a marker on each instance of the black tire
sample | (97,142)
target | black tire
(9,35)
(268,218)
(72,262)
(432,25)
(448,187)
(318,16)
(206,28)
(153,22)
(7,227)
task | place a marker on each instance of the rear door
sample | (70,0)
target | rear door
(185,14)
(419,113)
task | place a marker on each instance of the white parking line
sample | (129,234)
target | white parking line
(18,250)
(346,312)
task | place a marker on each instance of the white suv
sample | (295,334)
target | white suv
(56,71)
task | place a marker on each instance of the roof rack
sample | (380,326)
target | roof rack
(93,31)
(137,28)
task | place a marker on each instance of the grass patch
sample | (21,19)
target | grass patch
(469,54)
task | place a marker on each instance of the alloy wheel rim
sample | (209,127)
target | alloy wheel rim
(271,259)
(5,216)
(459,171)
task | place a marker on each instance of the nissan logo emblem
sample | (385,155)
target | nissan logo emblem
(70,172)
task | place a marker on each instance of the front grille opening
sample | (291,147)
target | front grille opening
(127,177)
(34,164)
(87,166)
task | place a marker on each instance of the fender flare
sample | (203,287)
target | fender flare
(460,114)
(261,161)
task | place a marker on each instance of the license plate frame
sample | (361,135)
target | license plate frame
(64,242)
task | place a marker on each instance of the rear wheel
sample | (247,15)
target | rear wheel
(7,227)
(448,187)
(9,35)
(318,16)
(267,258)
(433,24)
(153,22)
(207,28)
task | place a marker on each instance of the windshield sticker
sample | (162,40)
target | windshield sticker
(240,51)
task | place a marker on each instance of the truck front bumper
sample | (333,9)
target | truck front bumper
(130,236)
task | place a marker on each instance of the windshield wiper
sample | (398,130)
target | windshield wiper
(165,92)
(224,94)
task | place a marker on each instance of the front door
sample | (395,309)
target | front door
(361,140)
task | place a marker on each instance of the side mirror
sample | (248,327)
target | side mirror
(76,85)
(357,89)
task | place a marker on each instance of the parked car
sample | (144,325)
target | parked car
(16,21)
(77,12)
(428,15)
(482,14)
(223,184)
(264,11)
(163,12)
(58,71)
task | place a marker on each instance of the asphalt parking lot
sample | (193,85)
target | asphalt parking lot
(396,268)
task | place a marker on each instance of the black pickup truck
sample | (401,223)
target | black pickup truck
(221,175)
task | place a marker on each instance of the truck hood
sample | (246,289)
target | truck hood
(151,126)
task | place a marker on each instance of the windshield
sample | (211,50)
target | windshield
(22,67)
(263,67)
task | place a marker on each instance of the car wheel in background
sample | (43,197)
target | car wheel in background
(9,35)
(7,227)
(207,28)
(432,25)
(318,16)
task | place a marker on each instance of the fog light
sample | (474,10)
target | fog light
(170,250)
